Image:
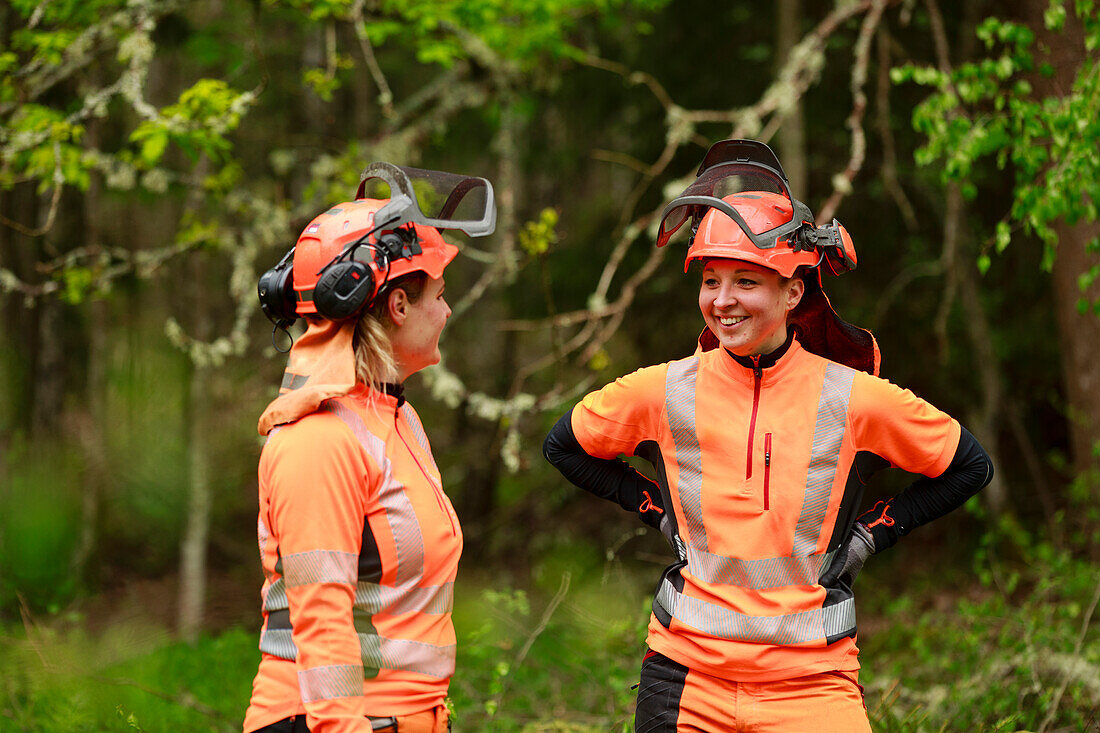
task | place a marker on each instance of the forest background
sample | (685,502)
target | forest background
(156,156)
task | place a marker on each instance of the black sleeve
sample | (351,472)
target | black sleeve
(611,479)
(930,498)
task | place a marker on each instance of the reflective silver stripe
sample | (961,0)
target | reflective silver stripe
(377,651)
(275,599)
(832,411)
(433,599)
(793,628)
(279,643)
(417,427)
(407,538)
(332,681)
(262,536)
(680,407)
(407,655)
(772,572)
(294,381)
(320,566)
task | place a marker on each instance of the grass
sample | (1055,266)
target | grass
(1022,653)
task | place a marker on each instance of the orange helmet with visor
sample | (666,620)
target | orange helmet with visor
(740,207)
(346,255)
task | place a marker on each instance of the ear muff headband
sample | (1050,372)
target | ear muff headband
(349,282)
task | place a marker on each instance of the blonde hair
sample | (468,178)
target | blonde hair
(374,360)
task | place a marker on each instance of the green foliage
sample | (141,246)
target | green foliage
(987,110)
(995,658)
(986,659)
(524,32)
(39,527)
(45,143)
(128,678)
(536,236)
(198,123)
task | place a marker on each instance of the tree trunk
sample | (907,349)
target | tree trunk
(1079,335)
(1080,340)
(193,545)
(48,369)
(791,135)
(983,419)
(91,428)
(196,533)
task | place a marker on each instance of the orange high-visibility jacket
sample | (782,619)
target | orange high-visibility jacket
(762,471)
(360,549)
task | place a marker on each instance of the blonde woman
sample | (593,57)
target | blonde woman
(359,543)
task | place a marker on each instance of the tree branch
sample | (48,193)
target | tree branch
(889,167)
(385,96)
(842,183)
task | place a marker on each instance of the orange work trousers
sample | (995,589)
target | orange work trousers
(675,699)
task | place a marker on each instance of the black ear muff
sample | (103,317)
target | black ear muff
(344,288)
(832,241)
(276,292)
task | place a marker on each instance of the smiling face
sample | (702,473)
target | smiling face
(417,326)
(746,305)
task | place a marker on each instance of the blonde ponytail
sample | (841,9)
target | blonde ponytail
(374,361)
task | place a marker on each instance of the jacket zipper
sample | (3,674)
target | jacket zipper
(767,466)
(757,376)
(438,490)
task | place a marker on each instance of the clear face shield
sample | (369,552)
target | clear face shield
(431,198)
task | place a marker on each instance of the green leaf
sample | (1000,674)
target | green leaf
(1054,17)
(153,147)
(1004,236)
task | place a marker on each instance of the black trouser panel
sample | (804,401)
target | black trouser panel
(659,692)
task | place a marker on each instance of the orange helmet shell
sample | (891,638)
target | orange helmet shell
(719,236)
(329,233)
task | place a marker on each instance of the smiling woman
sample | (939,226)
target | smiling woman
(762,442)
(745,305)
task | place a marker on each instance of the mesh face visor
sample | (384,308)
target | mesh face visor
(431,198)
(724,179)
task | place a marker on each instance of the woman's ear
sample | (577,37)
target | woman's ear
(397,306)
(795,289)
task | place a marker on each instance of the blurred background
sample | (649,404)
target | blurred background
(157,156)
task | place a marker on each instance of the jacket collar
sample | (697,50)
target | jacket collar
(772,366)
(763,361)
(388,394)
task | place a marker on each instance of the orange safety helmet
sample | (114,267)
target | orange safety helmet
(341,262)
(718,235)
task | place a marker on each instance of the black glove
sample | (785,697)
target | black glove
(849,558)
